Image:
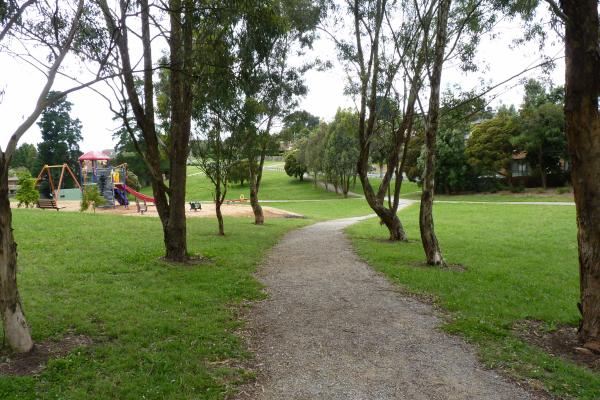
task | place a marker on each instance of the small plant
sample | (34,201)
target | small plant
(563,190)
(27,195)
(91,197)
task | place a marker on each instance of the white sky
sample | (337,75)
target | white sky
(22,83)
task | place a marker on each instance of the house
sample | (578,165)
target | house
(13,185)
(519,165)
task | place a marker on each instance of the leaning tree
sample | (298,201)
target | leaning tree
(60,29)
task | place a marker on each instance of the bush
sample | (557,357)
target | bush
(91,197)
(240,172)
(293,167)
(518,189)
(563,190)
(27,194)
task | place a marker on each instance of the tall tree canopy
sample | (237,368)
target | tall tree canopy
(61,135)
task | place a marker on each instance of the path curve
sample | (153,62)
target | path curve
(332,328)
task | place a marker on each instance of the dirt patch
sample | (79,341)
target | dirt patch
(561,342)
(33,363)
(208,210)
(448,267)
(192,261)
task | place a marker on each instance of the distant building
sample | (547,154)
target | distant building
(13,185)
(519,165)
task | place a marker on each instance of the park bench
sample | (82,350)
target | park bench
(195,205)
(141,207)
(48,203)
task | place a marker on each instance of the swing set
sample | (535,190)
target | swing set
(54,190)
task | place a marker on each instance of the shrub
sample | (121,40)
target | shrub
(27,195)
(563,190)
(518,189)
(91,197)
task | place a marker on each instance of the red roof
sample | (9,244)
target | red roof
(94,155)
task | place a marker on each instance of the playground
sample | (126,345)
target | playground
(207,211)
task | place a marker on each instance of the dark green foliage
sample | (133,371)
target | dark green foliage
(60,136)
(27,195)
(341,150)
(293,167)
(25,156)
(542,129)
(240,172)
(489,148)
(297,125)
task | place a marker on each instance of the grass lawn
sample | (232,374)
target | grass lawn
(327,209)
(495,197)
(276,185)
(521,264)
(159,331)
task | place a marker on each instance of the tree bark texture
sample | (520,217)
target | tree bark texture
(255,179)
(582,84)
(16,330)
(431,246)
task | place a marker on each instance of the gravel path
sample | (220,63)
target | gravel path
(332,328)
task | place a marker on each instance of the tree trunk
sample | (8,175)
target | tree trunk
(180,129)
(542,169)
(433,253)
(582,84)
(16,330)
(220,217)
(259,218)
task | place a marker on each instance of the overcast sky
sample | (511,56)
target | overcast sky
(496,57)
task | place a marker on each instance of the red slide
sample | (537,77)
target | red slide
(136,194)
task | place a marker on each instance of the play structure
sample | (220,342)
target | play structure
(95,169)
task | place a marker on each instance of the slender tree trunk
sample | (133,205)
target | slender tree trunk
(433,253)
(582,83)
(16,330)
(220,217)
(542,170)
(259,218)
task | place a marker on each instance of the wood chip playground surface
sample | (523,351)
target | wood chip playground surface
(208,210)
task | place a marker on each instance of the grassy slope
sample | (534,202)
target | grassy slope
(159,331)
(275,185)
(521,264)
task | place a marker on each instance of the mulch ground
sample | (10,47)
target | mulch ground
(33,362)
(561,342)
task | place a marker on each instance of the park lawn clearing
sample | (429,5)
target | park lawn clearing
(157,330)
(520,263)
(531,196)
(275,185)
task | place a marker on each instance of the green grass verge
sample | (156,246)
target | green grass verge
(521,264)
(495,197)
(159,331)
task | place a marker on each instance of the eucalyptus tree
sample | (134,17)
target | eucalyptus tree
(267,83)
(183,18)
(582,85)
(384,63)
(216,155)
(55,29)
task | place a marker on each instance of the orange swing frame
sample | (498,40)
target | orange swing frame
(56,190)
